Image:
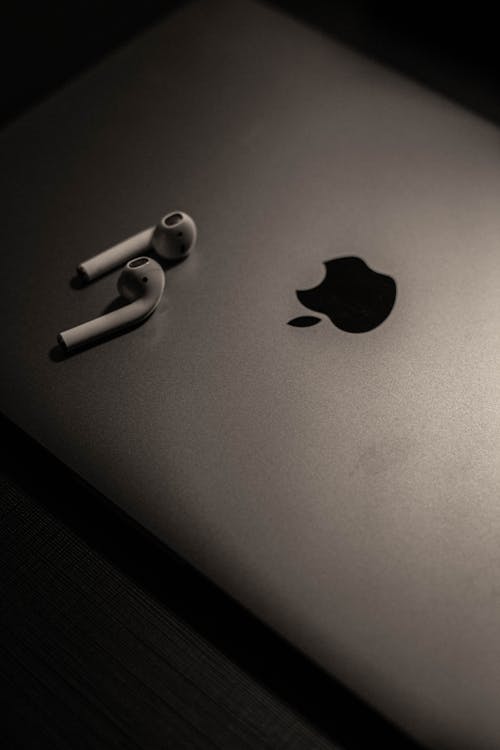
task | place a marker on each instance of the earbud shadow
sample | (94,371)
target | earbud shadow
(57,354)
(77,282)
(167,264)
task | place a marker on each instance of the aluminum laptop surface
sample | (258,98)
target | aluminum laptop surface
(345,487)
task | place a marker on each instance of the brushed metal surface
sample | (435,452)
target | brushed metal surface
(344,487)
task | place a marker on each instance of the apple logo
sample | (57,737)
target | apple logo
(354,297)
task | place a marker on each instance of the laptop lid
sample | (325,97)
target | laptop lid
(342,484)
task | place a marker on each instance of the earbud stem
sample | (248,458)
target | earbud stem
(105,325)
(115,256)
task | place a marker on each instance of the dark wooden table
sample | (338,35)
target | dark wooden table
(109,641)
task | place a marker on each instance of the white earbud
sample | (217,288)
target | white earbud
(173,238)
(141,283)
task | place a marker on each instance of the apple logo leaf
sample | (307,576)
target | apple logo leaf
(304,320)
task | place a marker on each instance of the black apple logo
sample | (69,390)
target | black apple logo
(355,298)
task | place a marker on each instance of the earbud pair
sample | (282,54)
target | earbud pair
(141,282)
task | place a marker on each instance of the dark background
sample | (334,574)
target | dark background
(106,639)
(451,46)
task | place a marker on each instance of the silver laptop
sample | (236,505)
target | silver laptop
(312,415)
